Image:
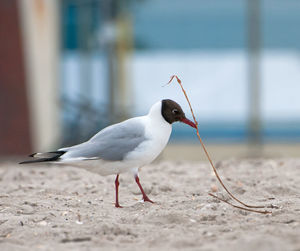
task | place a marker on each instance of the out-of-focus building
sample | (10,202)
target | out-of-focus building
(29,76)
(14,112)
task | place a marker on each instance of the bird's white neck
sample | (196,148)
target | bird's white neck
(158,127)
(155,112)
(157,131)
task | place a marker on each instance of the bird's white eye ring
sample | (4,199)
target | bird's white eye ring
(175,111)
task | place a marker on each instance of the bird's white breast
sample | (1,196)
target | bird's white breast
(157,134)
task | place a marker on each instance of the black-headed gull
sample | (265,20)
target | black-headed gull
(122,147)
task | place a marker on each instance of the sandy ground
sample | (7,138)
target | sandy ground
(55,208)
(223,151)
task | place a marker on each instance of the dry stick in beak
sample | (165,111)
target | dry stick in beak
(211,163)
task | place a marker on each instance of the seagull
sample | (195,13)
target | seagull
(122,147)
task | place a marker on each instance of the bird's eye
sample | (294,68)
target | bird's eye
(175,111)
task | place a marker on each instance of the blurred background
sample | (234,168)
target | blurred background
(69,68)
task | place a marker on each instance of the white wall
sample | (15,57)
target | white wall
(40,30)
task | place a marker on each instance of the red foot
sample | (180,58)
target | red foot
(145,197)
(148,200)
(118,205)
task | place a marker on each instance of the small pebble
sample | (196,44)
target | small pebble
(214,188)
(43,223)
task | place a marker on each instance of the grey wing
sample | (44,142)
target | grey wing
(112,143)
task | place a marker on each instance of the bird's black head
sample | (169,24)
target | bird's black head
(172,112)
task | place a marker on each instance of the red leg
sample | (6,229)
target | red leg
(117,191)
(145,197)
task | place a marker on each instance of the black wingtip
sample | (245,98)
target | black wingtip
(36,161)
(30,161)
(56,155)
(25,162)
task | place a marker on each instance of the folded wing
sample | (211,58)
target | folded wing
(112,143)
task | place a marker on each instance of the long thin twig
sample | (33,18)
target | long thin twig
(243,208)
(204,148)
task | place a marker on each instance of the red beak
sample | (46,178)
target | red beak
(188,122)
